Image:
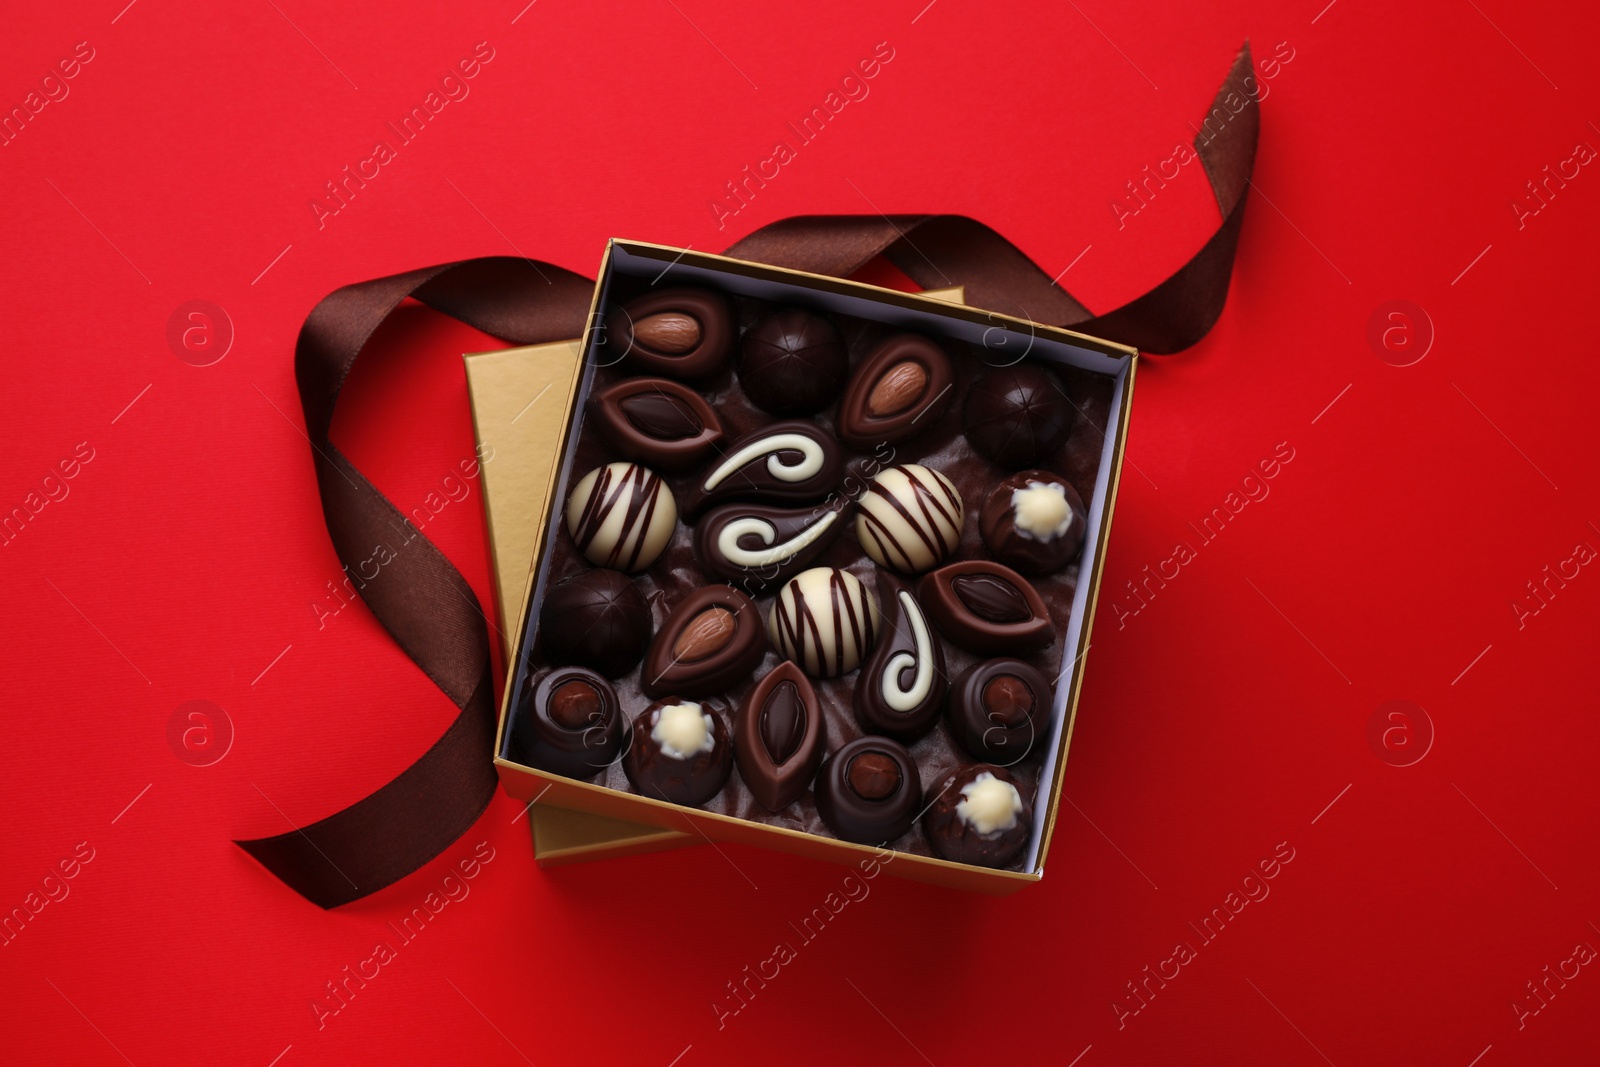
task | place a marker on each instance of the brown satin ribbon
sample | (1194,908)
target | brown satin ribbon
(428,607)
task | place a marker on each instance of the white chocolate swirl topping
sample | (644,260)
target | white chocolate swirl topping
(810,462)
(728,540)
(909,699)
(989,805)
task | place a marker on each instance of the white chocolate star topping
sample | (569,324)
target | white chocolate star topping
(989,805)
(683,730)
(1042,511)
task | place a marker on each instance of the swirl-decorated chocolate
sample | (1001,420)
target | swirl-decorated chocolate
(825,620)
(754,545)
(789,462)
(902,685)
(621,516)
(910,518)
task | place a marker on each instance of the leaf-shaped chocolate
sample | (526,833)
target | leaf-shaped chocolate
(986,608)
(657,421)
(780,737)
(712,639)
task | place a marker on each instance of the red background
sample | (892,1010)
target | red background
(1229,715)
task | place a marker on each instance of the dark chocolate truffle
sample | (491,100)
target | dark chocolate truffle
(780,737)
(680,752)
(1018,415)
(979,817)
(999,710)
(869,791)
(792,363)
(570,723)
(1034,522)
(597,619)
(683,332)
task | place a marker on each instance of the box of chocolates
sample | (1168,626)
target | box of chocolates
(816,571)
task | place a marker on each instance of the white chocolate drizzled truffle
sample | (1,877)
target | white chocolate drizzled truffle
(910,518)
(683,730)
(989,805)
(1041,509)
(621,516)
(824,620)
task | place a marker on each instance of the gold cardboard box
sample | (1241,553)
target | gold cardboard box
(556,376)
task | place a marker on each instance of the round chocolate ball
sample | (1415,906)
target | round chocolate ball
(597,619)
(999,710)
(980,817)
(681,752)
(869,790)
(1018,415)
(570,723)
(792,363)
(1033,522)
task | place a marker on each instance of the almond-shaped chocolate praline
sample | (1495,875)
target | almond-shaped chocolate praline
(999,710)
(780,737)
(597,618)
(755,545)
(681,332)
(1017,415)
(901,388)
(869,791)
(680,752)
(712,639)
(902,685)
(792,363)
(571,723)
(791,462)
(986,608)
(1033,522)
(657,421)
(980,817)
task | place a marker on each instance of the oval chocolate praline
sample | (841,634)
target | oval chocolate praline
(1034,522)
(597,618)
(1017,415)
(901,388)
(1000,710)
(754,545)
(688,776)
(980,817)
(657,421)
(869,791)
(571,723)
(795,461)
(712,639)
(986,607)
(780,737)
(792,362)
(682,332)
(902,686)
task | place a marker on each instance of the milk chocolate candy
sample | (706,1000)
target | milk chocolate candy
(910,518)
(621,516)
(755,545)
(680,752)
(1018,415)
(780,737)
(658,422)
(979,817)
(901,388)
(791,462)
(571,723)
(1033,522)
(869,791)
(999,710)
(712,639)
(986,608)
(825,620)
(792,363)
(679,332)
(901,687)
(597,618)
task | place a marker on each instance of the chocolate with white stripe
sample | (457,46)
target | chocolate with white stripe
(753,545)
(794,461)
(621,516)
(902,686)
(910,518)
(824,620)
